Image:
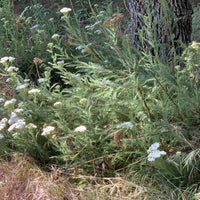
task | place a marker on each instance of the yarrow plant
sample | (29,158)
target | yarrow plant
(125,125)
(34,91)
(42,80)
(20,87)
(57,104)
(55,36)
(141,115)
(13,118)
(92,76)
(12,68)
(10,102)
(61,62)
(154,152)
(65,10)
(31,126)
(83,101)
(20,124)
(3,123)
(48,130)
(80,128)
(5,59)
(2,100)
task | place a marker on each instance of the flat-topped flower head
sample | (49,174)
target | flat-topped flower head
(54,36)
(61,62)
(15,134)
(80,129)
(3,123)
(141,115)
(20,104)
(83,101)
(153,147)
(10,58)
(35,26)
(65,10)
(125,125)
(31,126)
(154,152)
(13,118)
(34,91)
(48,130)
(57,104)
(42,80)
(20,124)
(20,87)
(9,102)
(26,80)
(18,110)
(2,100)
(6,58)
(12,69)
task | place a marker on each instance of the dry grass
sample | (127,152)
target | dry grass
(99,188)
(22,179)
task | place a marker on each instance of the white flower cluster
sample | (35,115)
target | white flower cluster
(18,125)
(125,125)
(80,128)
(92,26)
(6,58)
(83,101)
(9,102)
(34,91)
(97,31)
(26,80)
(82,48)
(13,118)
(55,36)
(65,10)
(2,100)
(12,69)
(31,126)
(3,123)
(42,80)
(18,110)
(154,152)
(35,26)
(47,130)
(57,104)
(15,122)
(61,62)
(141,115)
(20,87)
(20,104)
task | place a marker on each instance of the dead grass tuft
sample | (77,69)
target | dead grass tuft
(22,179)
(110,188)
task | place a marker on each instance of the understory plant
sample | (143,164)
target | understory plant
(97,103)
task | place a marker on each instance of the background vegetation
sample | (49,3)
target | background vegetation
(86,110)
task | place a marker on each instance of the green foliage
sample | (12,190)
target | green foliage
(94,101)
(195,23)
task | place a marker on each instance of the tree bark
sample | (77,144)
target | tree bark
(164,20)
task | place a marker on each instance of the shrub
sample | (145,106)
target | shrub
(97,103)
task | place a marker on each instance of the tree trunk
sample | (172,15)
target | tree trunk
(164,21)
